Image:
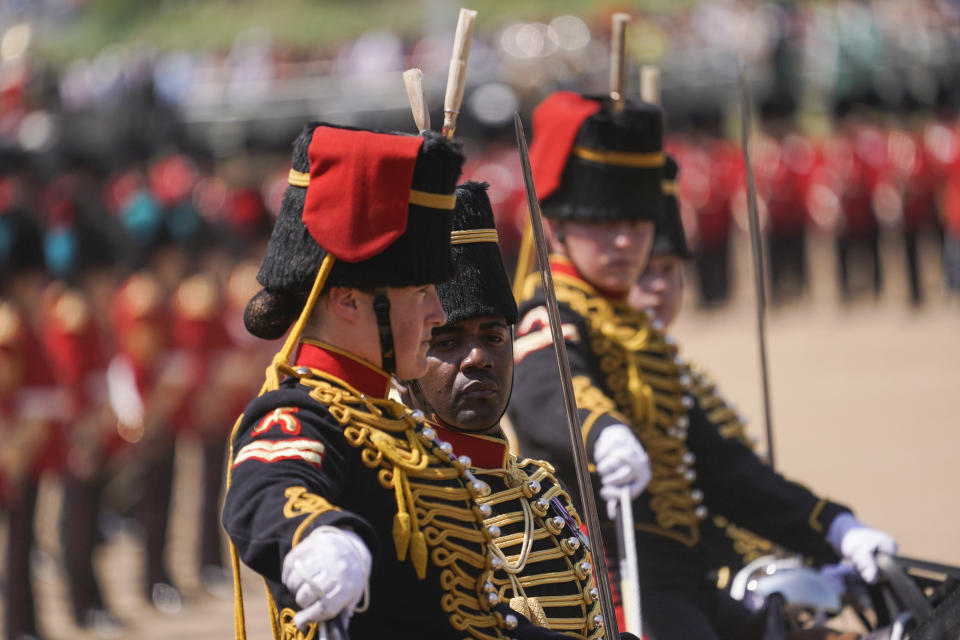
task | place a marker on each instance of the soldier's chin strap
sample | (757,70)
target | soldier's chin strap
(420,398)
(381,308)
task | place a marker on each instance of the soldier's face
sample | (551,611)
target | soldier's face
(609,255)
(414,312)
(470,372)
(660,288)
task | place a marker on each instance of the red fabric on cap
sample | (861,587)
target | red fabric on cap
(556,122)
(359,194)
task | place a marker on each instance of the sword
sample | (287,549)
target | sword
(600,574)
(629,566)
(758,270)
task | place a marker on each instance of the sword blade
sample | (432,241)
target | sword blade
(629,567)
(758,269)
(600,574)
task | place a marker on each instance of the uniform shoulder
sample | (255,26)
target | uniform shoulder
(289,404)
(528,464)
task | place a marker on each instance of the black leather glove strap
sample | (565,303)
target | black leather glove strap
(381,307)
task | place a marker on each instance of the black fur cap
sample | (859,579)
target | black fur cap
(480,286)
(597,191)
(420,256)
(669,238)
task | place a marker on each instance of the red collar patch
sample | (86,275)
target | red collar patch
(357,373)
(486,452)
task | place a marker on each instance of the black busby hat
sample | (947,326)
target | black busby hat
(669,238)
(81,246)
(21,243)
(378,202)
(593,161)
(480,286)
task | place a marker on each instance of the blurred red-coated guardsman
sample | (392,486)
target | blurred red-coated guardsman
(83,248)
(30,405)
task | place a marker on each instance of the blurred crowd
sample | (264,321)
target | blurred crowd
(121,331)
(138,189)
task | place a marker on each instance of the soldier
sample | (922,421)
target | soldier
(634,393)
(784,161)
(857,157)
(82,251)
(714,169)
(161,314)
(29,406)
(351,507)
(465,389)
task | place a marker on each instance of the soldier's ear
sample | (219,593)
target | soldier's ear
(345,303)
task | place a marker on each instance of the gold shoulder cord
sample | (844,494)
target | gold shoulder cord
(648,387)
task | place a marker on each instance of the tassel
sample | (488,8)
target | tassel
(519,604)
(401,534)
(418,554)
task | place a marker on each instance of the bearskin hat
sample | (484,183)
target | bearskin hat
(379,202)
(595,162)
(480,286)
(669,238)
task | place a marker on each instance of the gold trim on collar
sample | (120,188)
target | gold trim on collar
(433,200)
(298,178)
(668,187)
(445,201)
(469,236)
(632,159)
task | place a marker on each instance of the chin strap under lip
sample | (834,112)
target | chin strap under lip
(381,308)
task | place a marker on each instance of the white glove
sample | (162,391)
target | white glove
(860,544)
(621,462)
(328,573)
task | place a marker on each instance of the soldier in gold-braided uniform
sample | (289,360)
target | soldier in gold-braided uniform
(352,508)
(599,173)
(659,293)
(543,567)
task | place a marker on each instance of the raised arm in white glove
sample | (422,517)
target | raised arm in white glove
(859,544)
(328,574)
(621,462)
